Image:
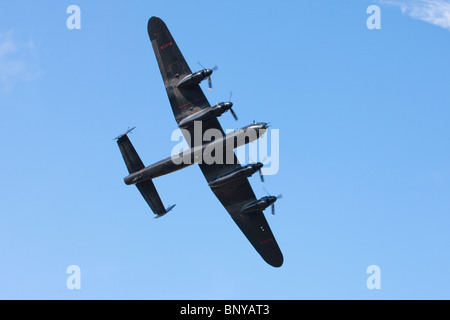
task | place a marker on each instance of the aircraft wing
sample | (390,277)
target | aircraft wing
(233,197)
(186,101)
(173,67)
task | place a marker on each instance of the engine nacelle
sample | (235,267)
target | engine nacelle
(243,172)
(206,114)
(194,78)
(258,205)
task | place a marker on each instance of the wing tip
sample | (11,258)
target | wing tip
(154,26)
(275,261)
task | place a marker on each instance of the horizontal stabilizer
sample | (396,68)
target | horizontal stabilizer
(169,208)
(151,196)
(135,164)
(129,154)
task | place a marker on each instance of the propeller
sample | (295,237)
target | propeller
(234,114)
(273,203)
(259,170)
(261,175)
(209,78)
(229,106)
(231,109)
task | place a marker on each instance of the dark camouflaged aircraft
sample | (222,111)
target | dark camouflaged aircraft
(227,178)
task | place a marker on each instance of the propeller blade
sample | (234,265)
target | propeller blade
(215,68)
(280,196)
(234,114)
(209,83)
(273,209)
(199,63)
(261,175)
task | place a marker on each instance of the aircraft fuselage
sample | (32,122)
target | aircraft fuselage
(200,153)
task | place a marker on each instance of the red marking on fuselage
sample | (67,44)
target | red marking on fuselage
(166,45)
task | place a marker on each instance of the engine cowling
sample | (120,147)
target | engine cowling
(243,172)
(206,114)
(194,78)
(258,205)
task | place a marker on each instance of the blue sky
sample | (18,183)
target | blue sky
(364,157)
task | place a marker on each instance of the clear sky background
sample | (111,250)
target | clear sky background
(363,117)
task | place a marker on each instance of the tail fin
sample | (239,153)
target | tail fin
(129,154)
(134,163)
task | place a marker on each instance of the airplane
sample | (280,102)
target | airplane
(227,179)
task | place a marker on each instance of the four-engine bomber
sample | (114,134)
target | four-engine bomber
(214,152)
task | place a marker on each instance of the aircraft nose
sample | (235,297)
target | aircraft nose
(262,127)
(259,125)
